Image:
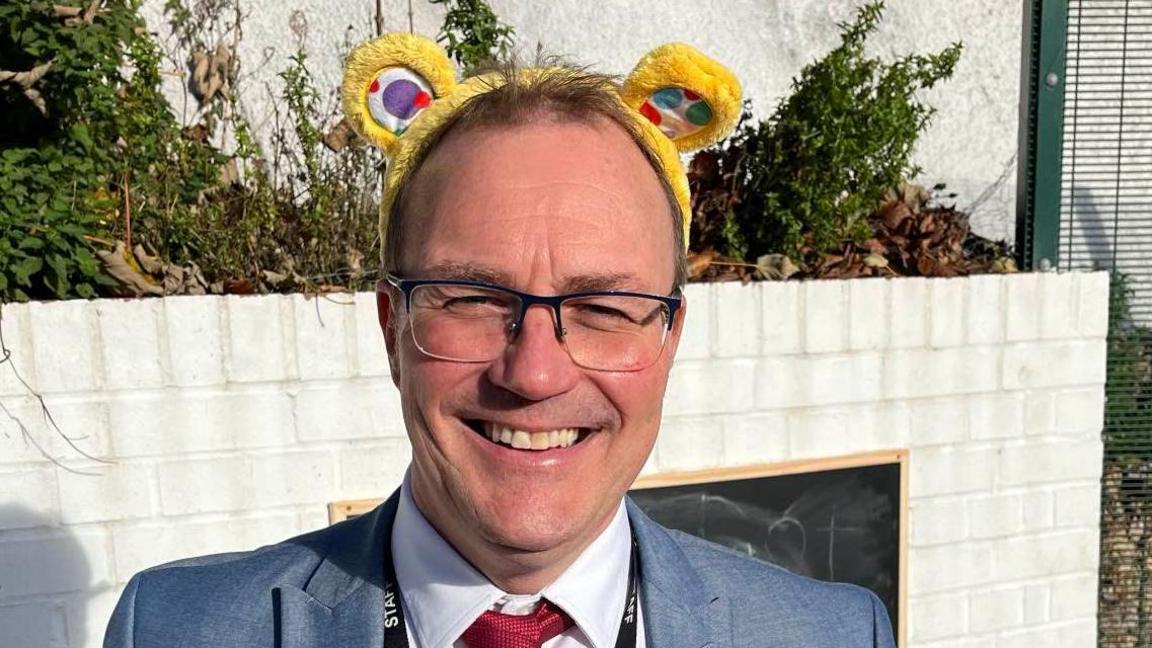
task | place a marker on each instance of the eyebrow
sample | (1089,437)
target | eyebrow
(601,281)
(464,271)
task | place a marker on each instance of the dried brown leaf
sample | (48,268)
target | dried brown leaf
(776,267)
(339,137)
(698,263)
(893,214)
(122,266)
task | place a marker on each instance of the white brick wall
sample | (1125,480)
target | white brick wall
(231,422)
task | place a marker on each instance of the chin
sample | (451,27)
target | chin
(529,526)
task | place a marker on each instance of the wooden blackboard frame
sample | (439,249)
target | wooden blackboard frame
(878,458)
(348,509)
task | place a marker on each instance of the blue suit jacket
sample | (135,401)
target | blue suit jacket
(324,590)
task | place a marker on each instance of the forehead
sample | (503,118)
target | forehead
(567,199)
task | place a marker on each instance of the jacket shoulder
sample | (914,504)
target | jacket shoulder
(799,610)
(214,600)
(288,562)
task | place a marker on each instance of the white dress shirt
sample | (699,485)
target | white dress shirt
(443,594)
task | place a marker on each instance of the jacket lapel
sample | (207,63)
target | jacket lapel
(679,612)
(343,602)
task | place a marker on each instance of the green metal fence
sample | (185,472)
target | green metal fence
(1086,203)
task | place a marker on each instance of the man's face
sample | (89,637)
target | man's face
(545,208)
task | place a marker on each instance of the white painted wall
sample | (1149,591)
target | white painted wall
(228,422)
(971,146)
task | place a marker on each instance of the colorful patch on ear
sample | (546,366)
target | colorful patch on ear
(677,112)
(688,96)
(396,96)
(389,81)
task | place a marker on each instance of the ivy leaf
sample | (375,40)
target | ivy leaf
(80,134)
(31,243)
(22,272)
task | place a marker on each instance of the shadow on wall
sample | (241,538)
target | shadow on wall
(1090,230)
(45,583)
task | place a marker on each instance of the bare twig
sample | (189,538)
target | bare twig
(127,213)
(316,305)
(95,239)
(1007,172)
(232,73)
(733,264)
(26,434)
(327,296)
(28,438)
(411,23)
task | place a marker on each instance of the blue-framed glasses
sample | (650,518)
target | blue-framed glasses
(472,321)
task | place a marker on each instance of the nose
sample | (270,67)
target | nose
(535,366)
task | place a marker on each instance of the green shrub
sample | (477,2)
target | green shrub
(472,32)
(1128,392)
(106,161)
(98,148)
(811,174)
(298,215)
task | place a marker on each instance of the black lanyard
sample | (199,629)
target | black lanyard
(396,633)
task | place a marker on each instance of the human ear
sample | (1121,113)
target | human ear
(388,324)
(677,328)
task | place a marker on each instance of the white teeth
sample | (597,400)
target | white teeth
(523,440)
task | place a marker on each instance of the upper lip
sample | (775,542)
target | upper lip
(530,427)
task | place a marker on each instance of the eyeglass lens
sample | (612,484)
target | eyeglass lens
(475,324)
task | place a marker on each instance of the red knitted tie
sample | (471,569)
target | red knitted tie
(497,630)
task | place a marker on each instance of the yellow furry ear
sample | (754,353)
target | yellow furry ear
(389,81)
(690,97)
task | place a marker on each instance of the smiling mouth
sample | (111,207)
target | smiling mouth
(524,440)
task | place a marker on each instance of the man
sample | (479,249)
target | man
(534,250)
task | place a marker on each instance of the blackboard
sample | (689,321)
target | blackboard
(836,520)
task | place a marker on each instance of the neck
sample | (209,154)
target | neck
(514,570)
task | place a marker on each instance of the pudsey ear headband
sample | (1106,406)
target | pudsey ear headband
(400,88)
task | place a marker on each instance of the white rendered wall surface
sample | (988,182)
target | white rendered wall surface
(223,423)
(970,146)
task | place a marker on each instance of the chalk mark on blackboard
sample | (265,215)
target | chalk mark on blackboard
(839,511)
(832,545)
(840,524)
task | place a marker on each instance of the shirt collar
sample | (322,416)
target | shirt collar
(443,593)
(593,588)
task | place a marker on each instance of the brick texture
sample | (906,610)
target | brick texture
(371,354)
(72,366)
(696,336)
(194,342)
(738,334)
(130,343)
(18,374)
